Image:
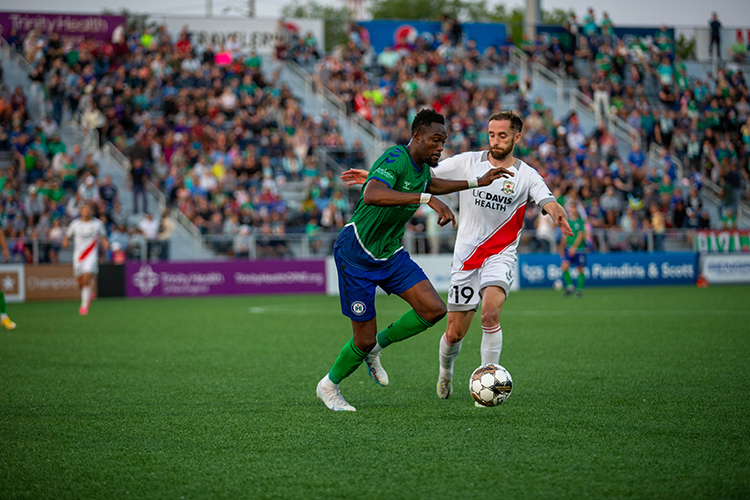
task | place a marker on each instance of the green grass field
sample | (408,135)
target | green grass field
(627,393)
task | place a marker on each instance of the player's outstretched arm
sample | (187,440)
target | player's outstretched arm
(379,194)
(560,216)
(354,176)
(442,186)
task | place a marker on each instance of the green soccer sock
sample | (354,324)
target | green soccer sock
(581,280)
(567,280)
(3,309)
(406,326)
(348,361)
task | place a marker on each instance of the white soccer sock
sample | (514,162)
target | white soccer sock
(492,344)
(328,383)
(3,316)
(85,296)
(448,355)
(375,350)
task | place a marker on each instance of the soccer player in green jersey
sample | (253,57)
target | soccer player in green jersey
(368,252)
(573,250)
(4,319)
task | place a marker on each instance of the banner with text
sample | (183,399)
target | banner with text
(613,269)
(77,27)
(726,268)
(403,34)
(52,282)
(241,277)
(716,241)
(252,34)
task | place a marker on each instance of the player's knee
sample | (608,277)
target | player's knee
(365,345)
(454,336)
(491,318)
(434,312)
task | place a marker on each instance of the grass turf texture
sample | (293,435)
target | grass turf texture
(626,393)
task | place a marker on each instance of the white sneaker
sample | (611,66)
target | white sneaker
(375,369)
(332,398)
(444,387)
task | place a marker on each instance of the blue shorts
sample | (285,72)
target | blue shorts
(359,275)
(577,260)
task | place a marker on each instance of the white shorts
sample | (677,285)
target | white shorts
(89,265)
(466,287)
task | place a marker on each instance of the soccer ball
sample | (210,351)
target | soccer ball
(557,285)
(490,385)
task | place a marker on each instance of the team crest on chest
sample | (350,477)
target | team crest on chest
(508,187)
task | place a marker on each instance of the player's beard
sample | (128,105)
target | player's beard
(500,154)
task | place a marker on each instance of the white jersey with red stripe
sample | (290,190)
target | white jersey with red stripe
(86,236)
(490,217)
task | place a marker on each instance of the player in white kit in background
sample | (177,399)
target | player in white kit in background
(490,224)
(88,233)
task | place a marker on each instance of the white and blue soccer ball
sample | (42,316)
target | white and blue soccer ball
(490,385)
(557,285)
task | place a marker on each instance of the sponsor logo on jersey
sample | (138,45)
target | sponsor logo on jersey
(508,187)
(359,308)
(485,199)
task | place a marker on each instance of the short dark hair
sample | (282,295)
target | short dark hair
(425,118)
(516,123)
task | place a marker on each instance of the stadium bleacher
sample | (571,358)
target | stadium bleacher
(226,141)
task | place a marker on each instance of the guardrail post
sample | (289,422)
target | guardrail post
(35,250)
(650,241)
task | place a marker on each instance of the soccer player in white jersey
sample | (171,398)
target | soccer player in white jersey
(88,233)
(490,223)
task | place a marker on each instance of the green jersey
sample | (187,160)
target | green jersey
(577,226)
(381,229)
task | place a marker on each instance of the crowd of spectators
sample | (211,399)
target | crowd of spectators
(205,125)
(222,137)
(703,123)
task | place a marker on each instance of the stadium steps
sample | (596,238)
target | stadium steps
(544,85)
(320,101)
(184,245)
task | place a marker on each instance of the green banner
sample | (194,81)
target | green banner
(722,241)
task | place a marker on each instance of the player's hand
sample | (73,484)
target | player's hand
(571,251)
(494,174)
(444,213)
(562,222)
(354,176)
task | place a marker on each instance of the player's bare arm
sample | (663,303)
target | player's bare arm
(379,194)
(560,216)
(354,176)
(442,186)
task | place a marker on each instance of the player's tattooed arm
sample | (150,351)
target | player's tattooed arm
(559,215)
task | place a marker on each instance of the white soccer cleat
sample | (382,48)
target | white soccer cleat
(332,398)
(444,387)
(376,370)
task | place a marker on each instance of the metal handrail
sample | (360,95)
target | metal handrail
(120,159)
